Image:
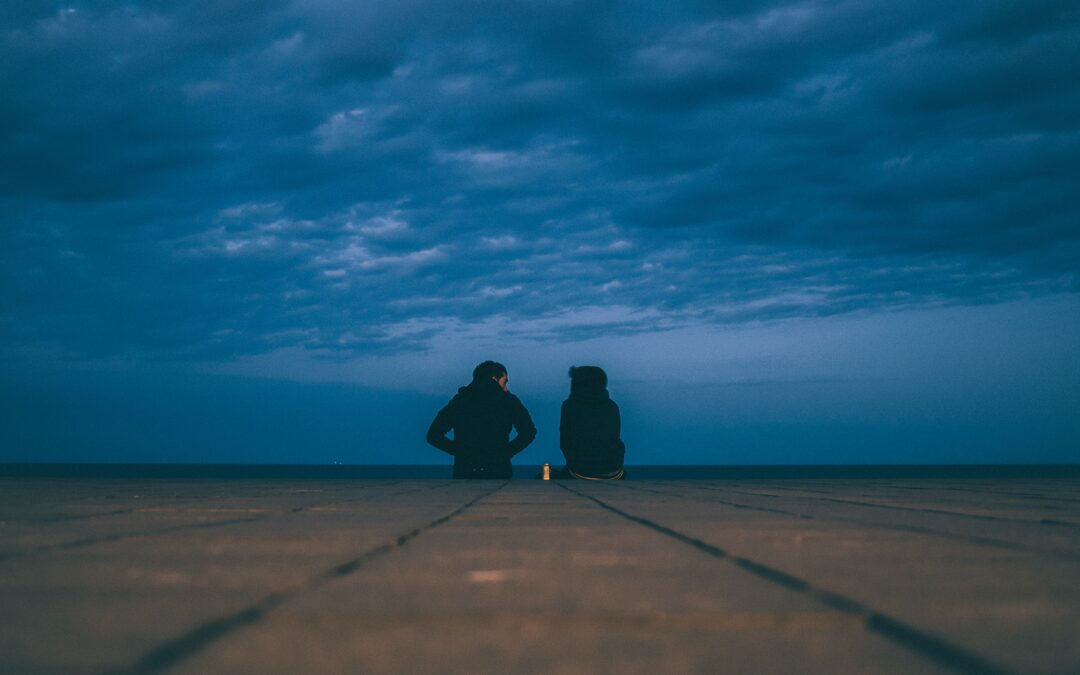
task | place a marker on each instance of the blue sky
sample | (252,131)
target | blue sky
(791,231)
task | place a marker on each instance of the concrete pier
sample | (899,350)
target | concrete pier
(434,576)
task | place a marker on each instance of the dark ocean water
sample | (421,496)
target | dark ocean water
(422,471)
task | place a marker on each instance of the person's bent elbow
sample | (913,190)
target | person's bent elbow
(440,441)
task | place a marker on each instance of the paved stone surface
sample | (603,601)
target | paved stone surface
(277,576)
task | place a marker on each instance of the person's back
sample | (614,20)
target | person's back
(482,416)
(590,427)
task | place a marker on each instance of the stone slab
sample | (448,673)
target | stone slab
(381,576)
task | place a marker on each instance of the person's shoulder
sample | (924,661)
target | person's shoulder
(516,403)
(457,398)
(513,399)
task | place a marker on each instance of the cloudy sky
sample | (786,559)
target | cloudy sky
(821,231)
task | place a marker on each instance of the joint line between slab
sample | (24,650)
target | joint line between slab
(1000,544)
(922,643)
(919,509)
(172,652)
(184,527)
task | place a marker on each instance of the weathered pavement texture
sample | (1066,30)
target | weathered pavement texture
(277,576)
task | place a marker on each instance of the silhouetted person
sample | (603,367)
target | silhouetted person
(589,428)
(481,416)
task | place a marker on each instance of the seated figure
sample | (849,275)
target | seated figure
(590,428)
(481,417)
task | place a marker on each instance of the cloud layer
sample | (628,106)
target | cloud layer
(214,179)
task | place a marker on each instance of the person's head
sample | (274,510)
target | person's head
(493,370)
(587,377)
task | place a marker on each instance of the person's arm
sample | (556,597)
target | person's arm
(564,430)
(526,430)
(618,429)
(440,426)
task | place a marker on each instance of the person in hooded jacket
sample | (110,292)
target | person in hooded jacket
(590,428)
(481,416)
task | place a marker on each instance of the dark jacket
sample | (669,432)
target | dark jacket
(481,416)
(589,431)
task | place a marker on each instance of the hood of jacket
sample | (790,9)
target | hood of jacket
(590,394)
(481,390)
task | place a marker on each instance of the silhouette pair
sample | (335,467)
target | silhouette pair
(483,414)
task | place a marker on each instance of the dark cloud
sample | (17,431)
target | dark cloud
(221,178)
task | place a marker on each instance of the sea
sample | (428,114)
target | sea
(526,471)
